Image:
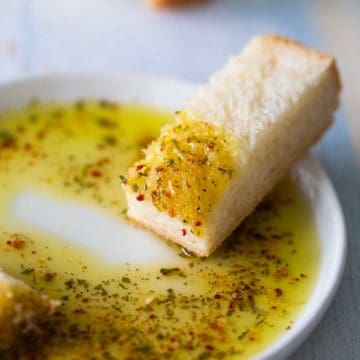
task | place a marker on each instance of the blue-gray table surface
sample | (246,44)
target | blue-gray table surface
(40,36)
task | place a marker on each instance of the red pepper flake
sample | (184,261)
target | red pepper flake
(217,296)
(96,173)
(172,212)
(6,145)
(183,232)
(152,316)
(20,129)
(167,194)
(139,167)
(198,223)
(231,305)
(209,347)
(252,337)
(17,243)
(79,311)
(159,169)
(40,134)
(278,292)
(27,147)
(250,298)
(140,197)
(210,146)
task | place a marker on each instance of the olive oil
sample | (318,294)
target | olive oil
(231,305)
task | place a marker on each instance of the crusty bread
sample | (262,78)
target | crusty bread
(276,99)
(23,311)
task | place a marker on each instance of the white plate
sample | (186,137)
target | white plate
(171,94)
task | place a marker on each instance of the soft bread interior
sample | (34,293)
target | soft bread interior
(146,215)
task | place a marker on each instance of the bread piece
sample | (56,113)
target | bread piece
(234,141)
(23,311)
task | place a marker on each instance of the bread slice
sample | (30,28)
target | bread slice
(23,311)
(233,142)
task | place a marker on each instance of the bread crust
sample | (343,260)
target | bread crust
(270,40)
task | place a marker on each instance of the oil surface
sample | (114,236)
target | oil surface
(229,306)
